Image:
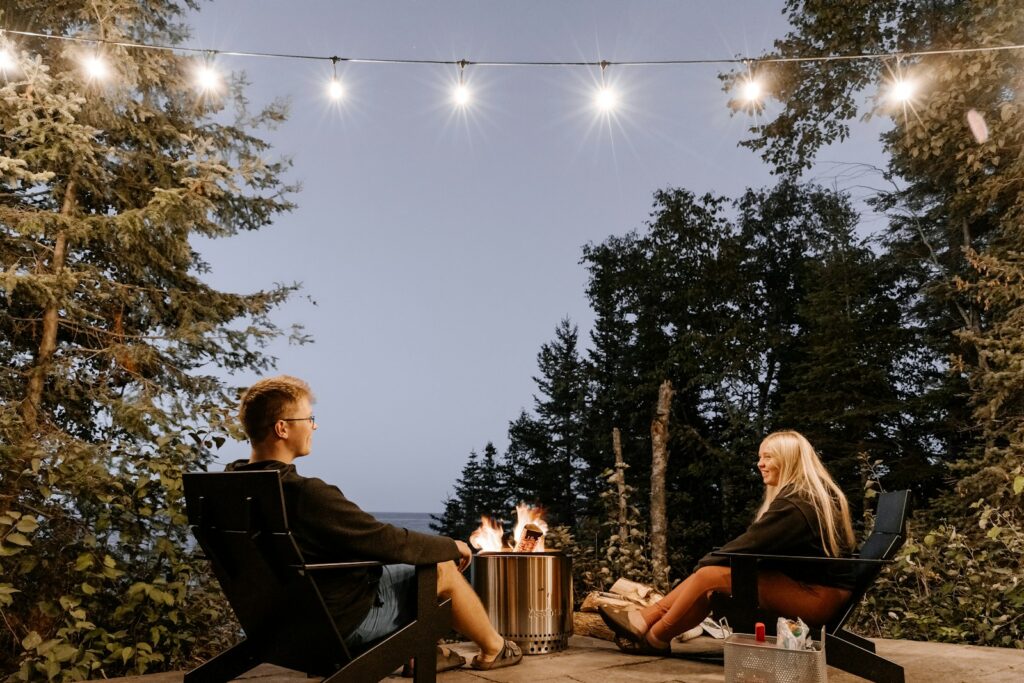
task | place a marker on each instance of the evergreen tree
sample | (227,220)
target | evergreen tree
(955,217)
(113,346)
(546,448)
(479,491)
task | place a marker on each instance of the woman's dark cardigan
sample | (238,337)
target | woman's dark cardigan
(788,527)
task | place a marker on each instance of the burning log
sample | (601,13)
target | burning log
(528,536)
(532,535)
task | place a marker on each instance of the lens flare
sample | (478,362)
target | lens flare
(95,67)
(335,90)
(461,95)
(606,99)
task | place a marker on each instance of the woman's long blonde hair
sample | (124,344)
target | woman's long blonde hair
(801,469)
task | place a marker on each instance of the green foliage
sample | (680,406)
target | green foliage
(112,345)
(625,556)
(955,215)
(959,584)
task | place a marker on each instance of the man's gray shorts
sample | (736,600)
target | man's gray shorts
(392,608)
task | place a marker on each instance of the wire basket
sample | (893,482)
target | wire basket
(748,661)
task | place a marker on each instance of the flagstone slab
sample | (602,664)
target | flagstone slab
(590,660)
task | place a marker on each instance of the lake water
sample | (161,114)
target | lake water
(417,521)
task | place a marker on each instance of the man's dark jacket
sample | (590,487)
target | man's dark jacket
(328,527)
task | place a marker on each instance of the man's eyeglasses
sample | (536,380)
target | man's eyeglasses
(311,418)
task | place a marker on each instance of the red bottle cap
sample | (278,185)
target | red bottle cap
(759,632)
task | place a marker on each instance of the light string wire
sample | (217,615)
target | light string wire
(463,63)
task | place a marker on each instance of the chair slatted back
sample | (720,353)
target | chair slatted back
(886,539)
(240,522)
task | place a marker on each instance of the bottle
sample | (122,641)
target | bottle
(759,632)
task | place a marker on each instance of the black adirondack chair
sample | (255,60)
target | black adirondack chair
(843,649)
(239,520)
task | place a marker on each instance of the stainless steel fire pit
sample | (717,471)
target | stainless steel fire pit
(528,597)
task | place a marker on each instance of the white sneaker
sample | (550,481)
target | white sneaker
(714,629)
(694,632)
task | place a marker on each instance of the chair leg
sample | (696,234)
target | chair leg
(860,662)
(226,666)
(426,666)
(855,639)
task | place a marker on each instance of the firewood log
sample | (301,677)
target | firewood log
(590,624)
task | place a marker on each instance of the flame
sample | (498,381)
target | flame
(488,535)
(527,514)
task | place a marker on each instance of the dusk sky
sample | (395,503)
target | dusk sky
(441,246)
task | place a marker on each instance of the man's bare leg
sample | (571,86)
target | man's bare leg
(468,614)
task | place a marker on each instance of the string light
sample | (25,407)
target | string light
(95,67)
(461,95)
(606,99)
(7,63)
(334,88)
(902,90)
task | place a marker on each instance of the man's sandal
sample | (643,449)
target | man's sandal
(447,659)
(510,655)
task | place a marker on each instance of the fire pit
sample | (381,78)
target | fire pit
(528,597)
(526,590)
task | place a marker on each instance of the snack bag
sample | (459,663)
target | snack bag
(793,635)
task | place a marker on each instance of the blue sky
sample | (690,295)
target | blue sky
(440,247)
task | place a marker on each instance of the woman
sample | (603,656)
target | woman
(804,513)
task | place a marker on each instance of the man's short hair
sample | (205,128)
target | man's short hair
(267,401)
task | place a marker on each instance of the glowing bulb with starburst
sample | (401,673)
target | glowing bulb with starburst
(207,79)
(751,91)
(95,67)
(461,95)
(7,62)
(335,90)
(606,100)
(901,90)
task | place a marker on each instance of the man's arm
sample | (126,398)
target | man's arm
(332,527)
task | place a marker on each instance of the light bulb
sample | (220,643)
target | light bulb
(461,95)
(606,99)
(334,89)
(751,90)
(7,62)
(901,90)
(95,67)
(207,78)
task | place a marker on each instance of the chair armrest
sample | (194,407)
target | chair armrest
(319,566)
(839,561)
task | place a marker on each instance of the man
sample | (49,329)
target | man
(277,416)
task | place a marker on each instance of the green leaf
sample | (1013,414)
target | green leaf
(1018,485)
(84,561)
(18,539)
(31,641)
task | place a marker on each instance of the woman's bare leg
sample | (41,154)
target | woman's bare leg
(690,602)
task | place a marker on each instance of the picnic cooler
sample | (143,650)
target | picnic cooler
(748,661)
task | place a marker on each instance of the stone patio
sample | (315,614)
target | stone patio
(590,659)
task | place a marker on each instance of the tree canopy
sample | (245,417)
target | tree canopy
(113,347)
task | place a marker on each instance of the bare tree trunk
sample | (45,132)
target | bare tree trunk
(48,342)
(659,467)
(620,483)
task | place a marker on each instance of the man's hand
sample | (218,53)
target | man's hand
(466,553)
